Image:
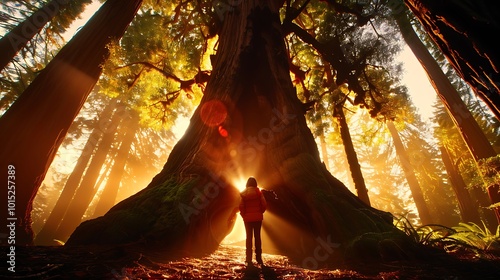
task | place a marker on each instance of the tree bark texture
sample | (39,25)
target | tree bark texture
(463,30)
(249,123)
(34,126)
(482,197)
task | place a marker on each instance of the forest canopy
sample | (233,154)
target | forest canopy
(332,65)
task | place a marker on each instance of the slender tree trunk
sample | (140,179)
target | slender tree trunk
(468,210)
(469,129)
(463,31)
(46,235)
(86,190)
(18,37)
(324,151)
(352,157)
(108,195)
(471,132)
(190,204)
(416,191)
(33,128)
(482,197)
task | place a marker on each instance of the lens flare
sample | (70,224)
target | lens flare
(213,113)
(223,132)
(240,184)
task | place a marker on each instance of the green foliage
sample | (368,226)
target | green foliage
(16,77)
(154,64)
(63,20)
(463,238)
(152,68)
(447,134)
(473,238)
(425,235)
(347,62)
(373,86)
(490,169)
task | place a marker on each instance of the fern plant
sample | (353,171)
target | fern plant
(463,238)
(472,237)
(425,235)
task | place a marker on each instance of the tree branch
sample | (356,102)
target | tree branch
(357,11)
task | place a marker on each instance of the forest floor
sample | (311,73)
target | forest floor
(226,263)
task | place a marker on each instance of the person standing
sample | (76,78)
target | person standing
(252,207)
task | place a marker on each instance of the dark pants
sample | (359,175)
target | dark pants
(253,228)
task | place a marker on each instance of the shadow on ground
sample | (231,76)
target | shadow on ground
(225,263)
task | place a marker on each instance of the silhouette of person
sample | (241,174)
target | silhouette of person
(252,207)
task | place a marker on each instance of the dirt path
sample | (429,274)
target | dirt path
(225,263)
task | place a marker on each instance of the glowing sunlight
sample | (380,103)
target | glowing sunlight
(237,235)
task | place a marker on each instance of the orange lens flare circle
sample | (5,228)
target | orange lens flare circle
(223,132)
(213,113)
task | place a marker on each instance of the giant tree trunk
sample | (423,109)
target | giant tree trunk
(249,123)
(463,30)
(33,128)
(416,191)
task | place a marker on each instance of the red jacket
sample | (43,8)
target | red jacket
(252,205)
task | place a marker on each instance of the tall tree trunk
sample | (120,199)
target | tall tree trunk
(469,129)
(189,204)
(33,128)
(416,191)
(468,210)
(324,151)
(18,37)
(352,158)
(46,235)
(108,195)
(463,31)
(473,136)
(86,190)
